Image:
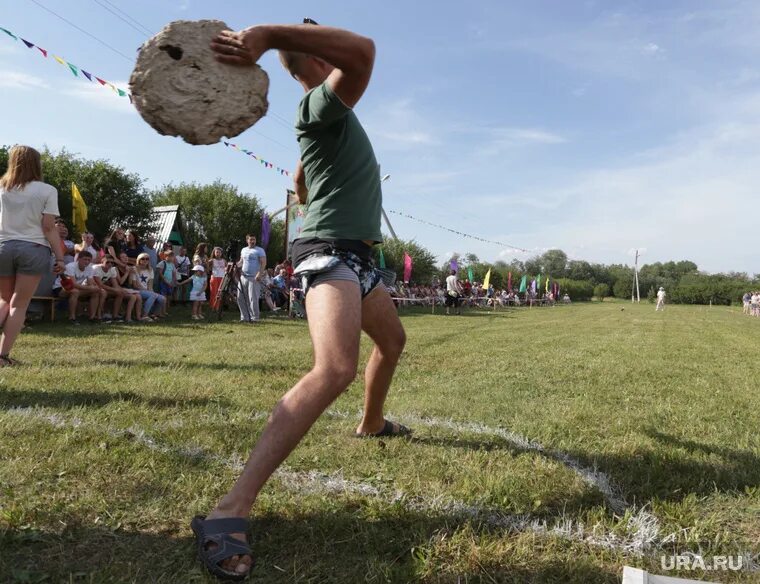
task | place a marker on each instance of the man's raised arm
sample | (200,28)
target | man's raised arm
(352,55)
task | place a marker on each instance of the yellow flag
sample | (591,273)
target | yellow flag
(487,279)
(78,210)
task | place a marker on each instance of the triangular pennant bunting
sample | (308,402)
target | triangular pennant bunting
(86,74)
(74,69)
(28,44)
(9,33)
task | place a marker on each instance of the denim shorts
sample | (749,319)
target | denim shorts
(24,257)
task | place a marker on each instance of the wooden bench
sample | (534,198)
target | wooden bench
(53,301)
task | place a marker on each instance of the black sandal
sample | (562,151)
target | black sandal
(6,361)
(390,429)
(218,531)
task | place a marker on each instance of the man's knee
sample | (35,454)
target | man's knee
(338,375)
(393,343)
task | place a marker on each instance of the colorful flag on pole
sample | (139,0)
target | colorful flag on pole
(509,282)
(78,210)
(469,274)
(524,284)
(546,289)
(453,265)
(265,230)
(487,279)
(538,283)
(407,267)
(381,261)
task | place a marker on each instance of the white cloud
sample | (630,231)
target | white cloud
(10,79)
(100,96)
(580,91)
(651,49)
(6,48)
(398,125)
(689,199)
(519,136)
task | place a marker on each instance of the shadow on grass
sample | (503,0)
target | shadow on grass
(21,398)
(677,469)
(331,546)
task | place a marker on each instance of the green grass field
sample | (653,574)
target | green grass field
(550,445)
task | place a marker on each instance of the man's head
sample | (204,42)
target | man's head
(308,70)
(63,231)
(150,242)
(83,259)
(250,239)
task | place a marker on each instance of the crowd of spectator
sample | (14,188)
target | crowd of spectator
(128,280)
(463,292)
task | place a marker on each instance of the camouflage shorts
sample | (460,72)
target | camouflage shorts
(350,268)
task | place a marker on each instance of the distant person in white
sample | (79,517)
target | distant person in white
(28,208)
(660,299)
(453,293)
(253,262)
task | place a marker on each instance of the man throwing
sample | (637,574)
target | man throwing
(337,177)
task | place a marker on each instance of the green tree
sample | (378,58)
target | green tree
(113,196)
(218,214)
(423,261)
(601,291)
(554,263)
(580,270)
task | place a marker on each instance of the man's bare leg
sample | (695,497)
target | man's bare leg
(73,303)
(334,309)
(381,322)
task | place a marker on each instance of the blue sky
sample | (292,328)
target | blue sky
(596,127)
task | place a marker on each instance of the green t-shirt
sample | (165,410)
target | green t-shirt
(341,171)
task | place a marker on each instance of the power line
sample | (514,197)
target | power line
(271,139)
(102,42)
(124,20)
(137,22)
(475,237)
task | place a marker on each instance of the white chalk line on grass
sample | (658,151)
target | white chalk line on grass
(637,531)
(590,476)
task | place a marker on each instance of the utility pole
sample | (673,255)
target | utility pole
(387,221)
(635,295)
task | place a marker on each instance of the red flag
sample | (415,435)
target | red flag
(509,282)
(407,267)
(100,81)
(43,51)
